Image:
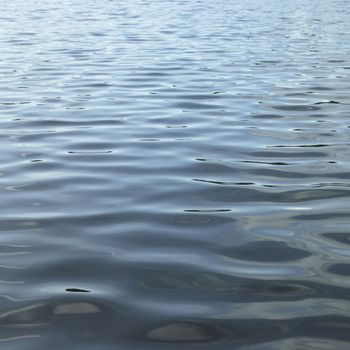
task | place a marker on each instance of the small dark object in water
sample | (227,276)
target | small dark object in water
(77,290)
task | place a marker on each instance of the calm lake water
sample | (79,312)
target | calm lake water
(175,174)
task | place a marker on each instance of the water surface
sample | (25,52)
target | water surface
(174,174)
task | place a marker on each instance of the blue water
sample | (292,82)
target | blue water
(174,175)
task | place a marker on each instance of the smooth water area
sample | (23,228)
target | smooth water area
(175,174)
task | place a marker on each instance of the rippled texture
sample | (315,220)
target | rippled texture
(175,174)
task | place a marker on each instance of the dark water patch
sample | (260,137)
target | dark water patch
(341,237)
(206,210)
(267,116)
(288,154)
(301,146)
(77,290)
(296,108)
(267,163)
(195,106)
(89,152)
(267,251)
(322,216)
(225,182)
(339,269)
(241,193)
